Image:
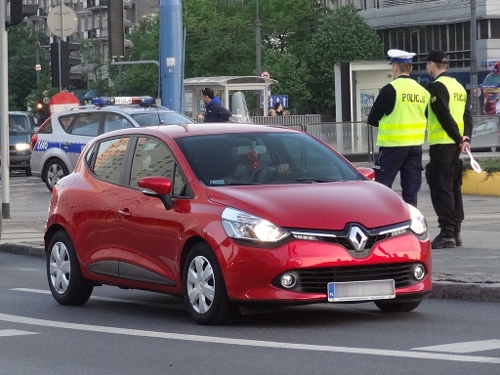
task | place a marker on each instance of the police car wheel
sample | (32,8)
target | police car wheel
(54,171)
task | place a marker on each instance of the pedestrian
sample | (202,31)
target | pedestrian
(449,134)
(399,112)
(286,112)
(278,108)
(214,111)
(271,112)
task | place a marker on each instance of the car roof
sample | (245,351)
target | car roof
(187,130)
(112,108)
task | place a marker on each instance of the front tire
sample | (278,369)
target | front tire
(388,306)
(204,289)
(54,171)
(63,272)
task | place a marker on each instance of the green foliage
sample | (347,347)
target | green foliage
(302,40)
(489,166)
(23,44)
(141,79)
(342,36)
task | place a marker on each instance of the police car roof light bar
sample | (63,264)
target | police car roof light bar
(123,100)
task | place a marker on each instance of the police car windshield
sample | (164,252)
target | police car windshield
(160,118)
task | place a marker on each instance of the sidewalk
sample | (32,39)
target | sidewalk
(470,272)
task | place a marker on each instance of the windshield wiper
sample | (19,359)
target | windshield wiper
(311,180)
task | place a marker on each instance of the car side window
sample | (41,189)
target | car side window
(153,158)
(46,129)
(113,121)
(86,124)
(109,159)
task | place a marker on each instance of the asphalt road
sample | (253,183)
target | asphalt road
(130,332)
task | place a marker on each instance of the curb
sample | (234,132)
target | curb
(484,292)
(35,250)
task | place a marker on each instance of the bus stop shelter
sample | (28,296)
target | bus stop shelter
(223,86)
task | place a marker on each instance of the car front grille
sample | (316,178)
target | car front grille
(315,280)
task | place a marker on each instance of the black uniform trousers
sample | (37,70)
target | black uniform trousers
(444,176)
(408,161)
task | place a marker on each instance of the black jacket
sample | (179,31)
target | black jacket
(215,112)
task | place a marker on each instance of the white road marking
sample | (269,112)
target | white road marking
(242,342)
(173,305)
(15,332)
(463,347)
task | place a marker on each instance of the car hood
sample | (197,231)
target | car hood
(317,206)
(19,138)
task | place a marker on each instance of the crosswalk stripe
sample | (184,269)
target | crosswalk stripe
(15,332)
(463,347)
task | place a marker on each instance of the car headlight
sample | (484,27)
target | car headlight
(22,146)
(418,223)
(244,226)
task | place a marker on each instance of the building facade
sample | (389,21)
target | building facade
(421,26)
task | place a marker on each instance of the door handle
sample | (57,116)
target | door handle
(124,213)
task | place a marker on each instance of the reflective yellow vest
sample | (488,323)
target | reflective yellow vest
(405,125)
(456,104)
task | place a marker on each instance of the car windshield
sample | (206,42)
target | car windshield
(264,158)
(160,117)
(18,124)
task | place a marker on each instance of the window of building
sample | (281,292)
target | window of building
(483,29)
(495,28)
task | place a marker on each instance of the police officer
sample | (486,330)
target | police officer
(400,114)
(449,134)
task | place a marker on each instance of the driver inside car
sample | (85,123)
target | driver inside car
(248,168)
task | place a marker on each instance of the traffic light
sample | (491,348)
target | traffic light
(41,111)
(13,12)
(54,63)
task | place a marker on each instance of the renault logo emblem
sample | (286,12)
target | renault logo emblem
(357,238)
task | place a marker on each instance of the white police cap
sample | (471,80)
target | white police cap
(399,56)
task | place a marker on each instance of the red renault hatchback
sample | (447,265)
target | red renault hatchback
(226,214)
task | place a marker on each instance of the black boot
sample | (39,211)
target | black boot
(443,241)
(458,238)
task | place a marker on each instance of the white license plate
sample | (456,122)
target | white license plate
(361,290)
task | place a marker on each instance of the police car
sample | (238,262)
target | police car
(57,144)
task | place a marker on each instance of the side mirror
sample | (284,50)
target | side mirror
(367,172)
(156,186)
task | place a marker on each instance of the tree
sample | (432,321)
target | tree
(142,79)
(23,44)
(95,68)
(342,36)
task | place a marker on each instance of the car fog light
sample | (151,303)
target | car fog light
(419,272)
(288,280)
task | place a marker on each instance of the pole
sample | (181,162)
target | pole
(37,70)
(258,54)
(60,46)
(4,113)
(473,60)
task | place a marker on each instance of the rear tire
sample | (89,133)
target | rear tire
(204,289)
(64,274)
(53,172)
(387,306)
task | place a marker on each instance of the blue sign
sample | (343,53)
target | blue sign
(273,99)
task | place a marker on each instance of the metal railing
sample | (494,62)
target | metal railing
(355,140)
